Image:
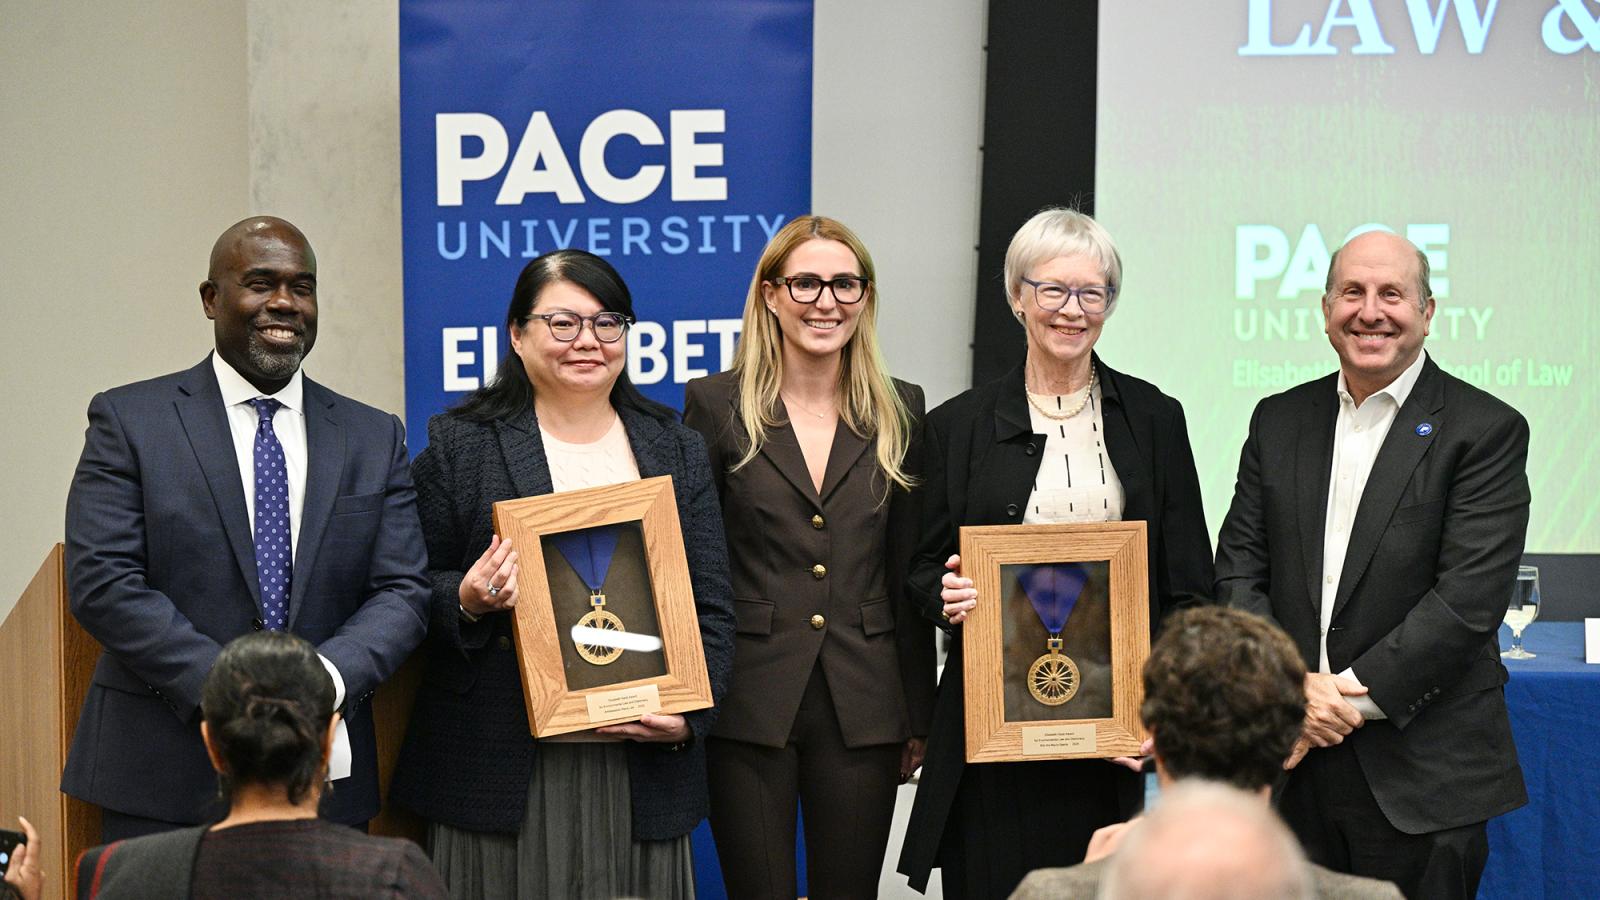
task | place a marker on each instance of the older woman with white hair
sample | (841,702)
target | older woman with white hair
(1061,438)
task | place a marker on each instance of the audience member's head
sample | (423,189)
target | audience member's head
(1208,841)
(1224,697)
(268,708)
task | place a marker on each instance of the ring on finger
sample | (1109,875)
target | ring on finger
(494,590)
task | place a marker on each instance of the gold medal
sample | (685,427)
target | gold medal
(589,553)
(1052,590)
(599,618)
(1053,677)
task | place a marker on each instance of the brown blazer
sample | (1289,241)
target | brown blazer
(816,577)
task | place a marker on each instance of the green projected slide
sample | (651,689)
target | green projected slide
(1240,143)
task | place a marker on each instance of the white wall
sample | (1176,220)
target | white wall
(897,122)
(141,131)
(325,154)
(124,148)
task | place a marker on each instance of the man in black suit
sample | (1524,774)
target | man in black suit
(1379,517)
(236,495)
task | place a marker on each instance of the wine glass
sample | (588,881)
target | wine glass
(1522,610)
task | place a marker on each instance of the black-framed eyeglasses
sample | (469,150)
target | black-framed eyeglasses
(807,288)
(1053,297)
(609,327)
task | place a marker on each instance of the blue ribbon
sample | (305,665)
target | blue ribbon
(588,551)
(1054,590)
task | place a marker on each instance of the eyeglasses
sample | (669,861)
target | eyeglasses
(805,288)
(609,327)
(1053,297)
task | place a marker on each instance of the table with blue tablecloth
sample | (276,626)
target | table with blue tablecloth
(1550,849)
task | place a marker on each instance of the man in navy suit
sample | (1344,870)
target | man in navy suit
(1379,517)
(236,495)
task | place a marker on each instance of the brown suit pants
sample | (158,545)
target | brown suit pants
(847,796)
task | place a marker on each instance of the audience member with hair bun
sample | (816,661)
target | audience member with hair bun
(268,724)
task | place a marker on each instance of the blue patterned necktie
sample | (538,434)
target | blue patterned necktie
(274,552)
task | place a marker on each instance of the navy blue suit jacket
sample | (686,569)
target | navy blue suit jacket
(161,571)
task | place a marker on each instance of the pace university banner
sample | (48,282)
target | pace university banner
(672,138)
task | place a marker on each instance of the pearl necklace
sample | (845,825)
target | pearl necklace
(1065,414)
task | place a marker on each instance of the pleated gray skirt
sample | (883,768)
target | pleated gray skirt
(576,839)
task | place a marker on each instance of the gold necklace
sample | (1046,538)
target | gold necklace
(803,407)
(1067,414)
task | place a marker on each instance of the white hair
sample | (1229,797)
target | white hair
(1209,841)
(1055,232)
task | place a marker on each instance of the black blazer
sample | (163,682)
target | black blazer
(982,456)
(468,754)
(1432,560)
(161,570)
(876,652)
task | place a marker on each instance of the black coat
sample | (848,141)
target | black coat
(982,457)
(468,754)
(1432,559)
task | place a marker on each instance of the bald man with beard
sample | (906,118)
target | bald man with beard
(238,495)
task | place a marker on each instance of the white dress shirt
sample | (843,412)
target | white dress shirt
(1358,433)
(289,424)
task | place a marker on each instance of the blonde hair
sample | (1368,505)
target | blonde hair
(868,403)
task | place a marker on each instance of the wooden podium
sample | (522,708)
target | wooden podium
(46,661)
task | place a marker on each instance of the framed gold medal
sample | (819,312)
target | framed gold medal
(1053,651)
(605,626)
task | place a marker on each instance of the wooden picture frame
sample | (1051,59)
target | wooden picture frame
(545,647)
(1008,722)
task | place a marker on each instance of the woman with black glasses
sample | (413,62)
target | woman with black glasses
(811,446)
(508,816)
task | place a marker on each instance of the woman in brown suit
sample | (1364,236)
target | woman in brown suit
(811,446)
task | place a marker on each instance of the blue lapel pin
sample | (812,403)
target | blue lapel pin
(1424,429)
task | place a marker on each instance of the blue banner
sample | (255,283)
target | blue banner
(672,138)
